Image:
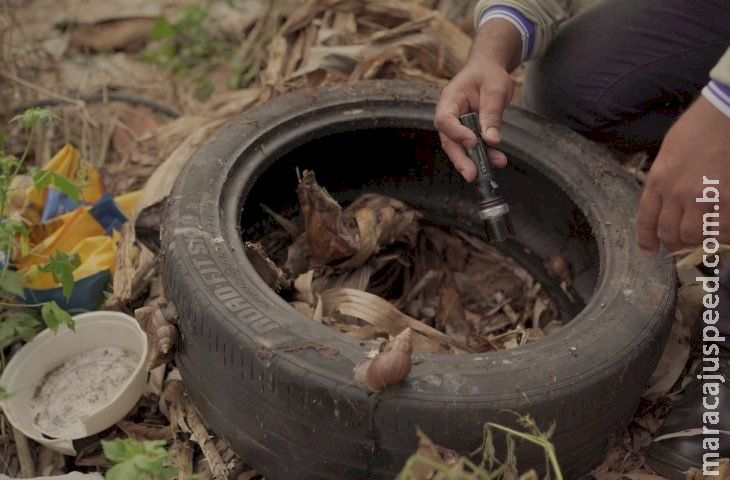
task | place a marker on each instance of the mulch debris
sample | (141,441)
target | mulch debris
(139,123)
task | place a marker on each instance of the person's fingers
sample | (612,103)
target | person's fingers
(690,228)
(492,100)
(459,158)
(497,158)
(646,222)
(668,224)
(446,118)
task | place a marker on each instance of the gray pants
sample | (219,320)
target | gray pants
(623,71)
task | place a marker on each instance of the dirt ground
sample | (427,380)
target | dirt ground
(137,95)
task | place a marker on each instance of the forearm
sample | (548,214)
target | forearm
(497,40)
(537,20)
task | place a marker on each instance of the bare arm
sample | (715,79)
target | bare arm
(483,85)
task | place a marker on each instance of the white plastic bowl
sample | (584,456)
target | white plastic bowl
(47,351)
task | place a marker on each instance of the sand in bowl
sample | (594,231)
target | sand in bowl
(79,387)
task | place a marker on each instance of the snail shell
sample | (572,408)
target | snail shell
(393,364)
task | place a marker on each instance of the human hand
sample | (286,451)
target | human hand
(696,149)
(483,86)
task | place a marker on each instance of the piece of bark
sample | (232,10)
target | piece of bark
(134,268)
(25,456)
(182,452)
(50,462)
(142,432)
(186,417)
(158,323)
(269,272)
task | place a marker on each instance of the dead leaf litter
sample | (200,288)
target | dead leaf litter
(377,267)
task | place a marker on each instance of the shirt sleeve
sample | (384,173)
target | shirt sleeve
(536,20)
(717,92)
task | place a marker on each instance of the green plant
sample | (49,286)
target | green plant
(136,460)
(490,468)
(185,43)
(16,321)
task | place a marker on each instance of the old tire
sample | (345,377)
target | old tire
(279,386)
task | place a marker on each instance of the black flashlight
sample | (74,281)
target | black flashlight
(493,210)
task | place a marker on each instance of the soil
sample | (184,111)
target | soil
(79,387)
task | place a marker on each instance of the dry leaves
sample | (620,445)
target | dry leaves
(376,268)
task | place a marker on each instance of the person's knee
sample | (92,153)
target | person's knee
(555,88)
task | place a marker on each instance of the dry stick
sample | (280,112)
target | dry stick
(27,465)
(79,103)
(107,130)
(183,459)
(189,420)
(42,90)
(50,462)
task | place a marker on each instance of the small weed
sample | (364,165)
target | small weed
(184,44)
(148,460)
(16,322)
(490,467)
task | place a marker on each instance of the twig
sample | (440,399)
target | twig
(25,457)
(183,454)
(42,90)
(79,103)
(182,412)
(50,462)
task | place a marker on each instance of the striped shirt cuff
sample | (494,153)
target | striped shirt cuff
(718,94)
(521,23)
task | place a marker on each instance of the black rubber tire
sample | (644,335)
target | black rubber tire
(279,386)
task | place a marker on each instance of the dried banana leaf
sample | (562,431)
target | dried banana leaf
(377,311)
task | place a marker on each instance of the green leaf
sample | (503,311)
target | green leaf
(155,446)
(117,450)
(62,265)
(7,334)
(68,187)
(8,163)
(136,460)
(124,471)
(161,29)
(25,324)
(54,316)
(44,178)
(34,115)
(10,282)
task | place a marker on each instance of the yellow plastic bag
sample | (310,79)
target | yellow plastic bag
(96,254)
(66,162)
(88,228)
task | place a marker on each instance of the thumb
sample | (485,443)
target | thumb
(492,102)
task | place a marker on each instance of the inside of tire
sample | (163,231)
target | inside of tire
(410,165)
